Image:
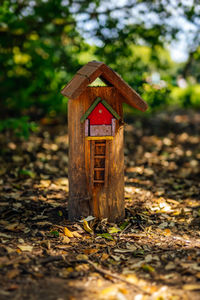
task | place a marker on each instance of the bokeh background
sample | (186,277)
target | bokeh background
(153,45)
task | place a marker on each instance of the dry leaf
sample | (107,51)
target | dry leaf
(87,227)
(44,223)
(88,219)
(167,232)
(76,234)
(82,257)
(65,240)
(90,251)
(12,273)
(191,287)
(25,247)
(104,256)
(68,233)
(14,227)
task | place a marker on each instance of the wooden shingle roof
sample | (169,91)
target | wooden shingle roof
(88,73)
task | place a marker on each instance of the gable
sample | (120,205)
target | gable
(93,111)
(88,73)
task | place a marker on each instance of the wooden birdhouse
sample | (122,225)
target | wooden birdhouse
(96,146)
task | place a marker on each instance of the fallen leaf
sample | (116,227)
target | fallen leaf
(44,223)
(167,232)
(148,268)
(191,287)
(90,251)
(113,230)
(25,247)
(76,234)
(55,233)
(88,219)
(68,233)
(65,240)
(12,273)
(170,266)
(81,257)
(104,256)
(106,236)
(87,227)
(15,227)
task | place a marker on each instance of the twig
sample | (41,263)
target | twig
(96,268)
(129,225)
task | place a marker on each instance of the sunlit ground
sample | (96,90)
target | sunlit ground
(153,254)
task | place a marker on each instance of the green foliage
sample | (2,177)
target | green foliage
(156,97)
(44,43)
(40,45)
(20,126)
(26,173)
(187,97)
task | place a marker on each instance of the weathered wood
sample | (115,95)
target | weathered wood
(96,198)
(130,95)
(75,87)
(113,126)
(79,197)
(100,130)
(91,72)
(86,127)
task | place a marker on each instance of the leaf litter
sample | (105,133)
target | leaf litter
(153,254)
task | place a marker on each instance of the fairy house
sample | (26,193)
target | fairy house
(96,146)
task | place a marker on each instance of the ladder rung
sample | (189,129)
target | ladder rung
(99,156)
(99,169)
(98,181)
(100,145)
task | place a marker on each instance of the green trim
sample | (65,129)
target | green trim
(90,109)
(94,104)
(111,110)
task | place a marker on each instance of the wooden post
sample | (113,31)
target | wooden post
(102,200)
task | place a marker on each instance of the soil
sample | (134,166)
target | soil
(153,254)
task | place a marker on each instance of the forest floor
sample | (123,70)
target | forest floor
(153,254)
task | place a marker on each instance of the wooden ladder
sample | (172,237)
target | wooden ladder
(99,168)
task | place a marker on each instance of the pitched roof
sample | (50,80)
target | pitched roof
(88,73)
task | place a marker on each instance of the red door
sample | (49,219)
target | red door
(100,116)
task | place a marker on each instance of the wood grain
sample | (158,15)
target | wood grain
(88,73)
(86,198)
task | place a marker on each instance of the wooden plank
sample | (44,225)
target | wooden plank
(130,95)
(99,138)
(98,181)
(95,63)
(75,87)
(92,153)
(91,72)
(79,197)
(101,145)
(86,127)
(113,127)
(107,161)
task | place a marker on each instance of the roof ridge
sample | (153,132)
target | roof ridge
(93,69)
